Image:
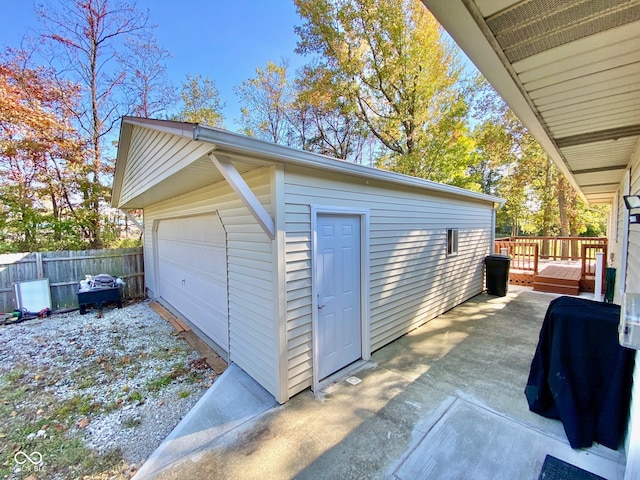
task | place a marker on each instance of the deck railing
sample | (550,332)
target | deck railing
(589,258)
(559,248)
(524,255)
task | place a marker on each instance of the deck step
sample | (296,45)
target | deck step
(556,288)
(558,279)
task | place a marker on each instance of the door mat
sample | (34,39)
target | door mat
(556,469)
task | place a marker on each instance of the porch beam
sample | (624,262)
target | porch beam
(237,183)
(600,170)
(599,136)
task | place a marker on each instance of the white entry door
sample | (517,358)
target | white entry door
(338,292)
(192,272)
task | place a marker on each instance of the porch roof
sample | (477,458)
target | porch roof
(569,70)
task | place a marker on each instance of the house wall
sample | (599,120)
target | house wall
(411,278)
(633,285)
(252,338)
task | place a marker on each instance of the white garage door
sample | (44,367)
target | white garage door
(192,270)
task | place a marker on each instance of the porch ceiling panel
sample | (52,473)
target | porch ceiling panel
(600,189)
(603,152)
(627,104)
(598,177)
(569,69)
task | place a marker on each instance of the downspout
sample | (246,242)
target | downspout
(494,212)
(493,228)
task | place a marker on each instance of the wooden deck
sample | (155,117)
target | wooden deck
(565,265)
(564,279)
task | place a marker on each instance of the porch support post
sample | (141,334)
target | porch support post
(597,291)
(237,183)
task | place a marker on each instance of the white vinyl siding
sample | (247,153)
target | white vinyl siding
(158,155)
(633,265)
(633,285)
(411,278)
(252,337)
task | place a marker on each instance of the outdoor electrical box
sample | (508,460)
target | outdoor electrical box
(629,328)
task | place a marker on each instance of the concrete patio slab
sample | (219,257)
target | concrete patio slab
(449,391)
(471,442)
(234,398)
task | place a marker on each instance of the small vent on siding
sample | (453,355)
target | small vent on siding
(534,26)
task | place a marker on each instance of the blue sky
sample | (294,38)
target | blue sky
(222,39)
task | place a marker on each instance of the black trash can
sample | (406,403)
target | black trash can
(497,274)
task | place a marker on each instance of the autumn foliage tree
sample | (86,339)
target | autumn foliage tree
(85,40)
(266,100)
(200,101)
(40,156)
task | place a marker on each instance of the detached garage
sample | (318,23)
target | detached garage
(296,265)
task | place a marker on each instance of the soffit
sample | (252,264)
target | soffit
(570,70)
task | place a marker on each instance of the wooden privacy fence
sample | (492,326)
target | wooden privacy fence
(65,269)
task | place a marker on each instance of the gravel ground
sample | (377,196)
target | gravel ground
(127,377)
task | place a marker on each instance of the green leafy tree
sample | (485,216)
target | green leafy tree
(495,137)
(200,102)
(266,101)
(388,58)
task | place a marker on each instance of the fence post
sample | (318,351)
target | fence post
(39,266)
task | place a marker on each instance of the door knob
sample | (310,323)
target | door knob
(320,307)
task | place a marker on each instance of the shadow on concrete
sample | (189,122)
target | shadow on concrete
(444,401)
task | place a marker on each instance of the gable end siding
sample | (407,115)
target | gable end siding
(157,155)
(411,278)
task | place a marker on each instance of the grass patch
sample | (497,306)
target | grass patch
(183,394)
(48,430)
(178,370)
(131,422)
(14,375)
(135,397)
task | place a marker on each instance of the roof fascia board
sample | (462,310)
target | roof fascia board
(466,25)
(182,129)
(237,183)
(241,147)
(124,142)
